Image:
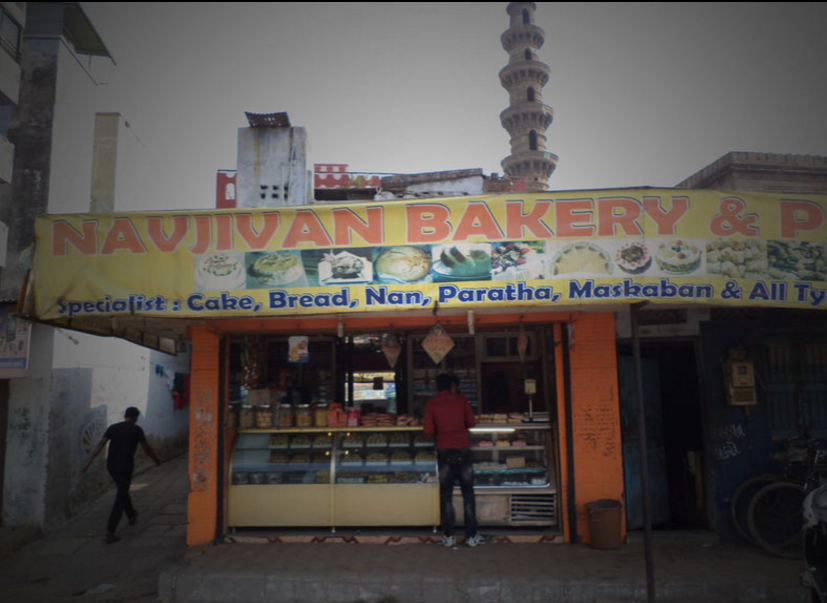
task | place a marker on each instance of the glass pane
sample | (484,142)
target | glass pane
(509,459)
(385,458)
(496,346)
(262,459)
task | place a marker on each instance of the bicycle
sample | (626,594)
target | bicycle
(741,499)
(773,512)
(775,521)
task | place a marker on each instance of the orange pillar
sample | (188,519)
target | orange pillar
(202,504)
(597,449)
(562,439)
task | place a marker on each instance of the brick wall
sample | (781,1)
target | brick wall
(598,454)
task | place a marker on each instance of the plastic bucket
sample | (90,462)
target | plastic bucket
(604,523)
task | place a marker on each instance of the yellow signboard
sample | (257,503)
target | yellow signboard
(517,250)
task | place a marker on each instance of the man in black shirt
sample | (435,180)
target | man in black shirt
(123,441)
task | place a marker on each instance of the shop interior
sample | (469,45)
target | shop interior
(292,465)
(353,371)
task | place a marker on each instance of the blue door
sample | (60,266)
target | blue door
(655,449)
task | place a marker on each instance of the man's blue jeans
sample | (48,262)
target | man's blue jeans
(455,467)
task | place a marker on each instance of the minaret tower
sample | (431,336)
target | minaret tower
(527,118)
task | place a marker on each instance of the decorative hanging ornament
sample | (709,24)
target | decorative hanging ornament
(437,344)
(391,347)
(522,342)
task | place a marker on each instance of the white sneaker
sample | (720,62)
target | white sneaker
(448,541)
(475,540)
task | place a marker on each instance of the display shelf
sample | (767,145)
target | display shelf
(492,462)
(498,448)
(358,429)
(287,456)
(507,470)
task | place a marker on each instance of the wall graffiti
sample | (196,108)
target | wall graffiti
(92,429)
(204,441)
(726,451)
(730,432)
(727,434)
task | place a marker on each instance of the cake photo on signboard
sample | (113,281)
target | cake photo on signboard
(404,264)
(466,261)
(223,271)
(518,260)
(272,269)
(678,256)
(633,258)
(344,267)
(582,257)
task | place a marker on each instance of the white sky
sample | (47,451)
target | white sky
(643,94)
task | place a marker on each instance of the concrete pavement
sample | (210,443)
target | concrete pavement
(688,568)
(152,563)
(73,561)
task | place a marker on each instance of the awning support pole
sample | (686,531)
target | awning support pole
(644,461)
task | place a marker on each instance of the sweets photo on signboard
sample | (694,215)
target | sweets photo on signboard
(221,271)
(800,260)
(737,258)
(271,269)
(519,261)
(461,262)
(403,265)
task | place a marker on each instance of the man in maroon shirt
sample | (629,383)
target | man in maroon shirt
(448,416)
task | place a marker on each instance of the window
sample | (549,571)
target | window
(532,141)
(526,17)
(796,388)
(506,346)
(527,54)
(9,34)
(530,95)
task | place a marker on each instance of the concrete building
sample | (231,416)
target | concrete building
(13,16)
(701,445)
(765,172)
(272,162)
(74,384)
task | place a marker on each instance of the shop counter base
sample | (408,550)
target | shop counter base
(399,505)
(384,536)
(319,505)
(512,507)
(296,505)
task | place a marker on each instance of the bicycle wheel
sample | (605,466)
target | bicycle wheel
(775,519)
(741,498)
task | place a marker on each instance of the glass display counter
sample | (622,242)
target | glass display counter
(369,476)
(514,473)
(511,457)
(357,476)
